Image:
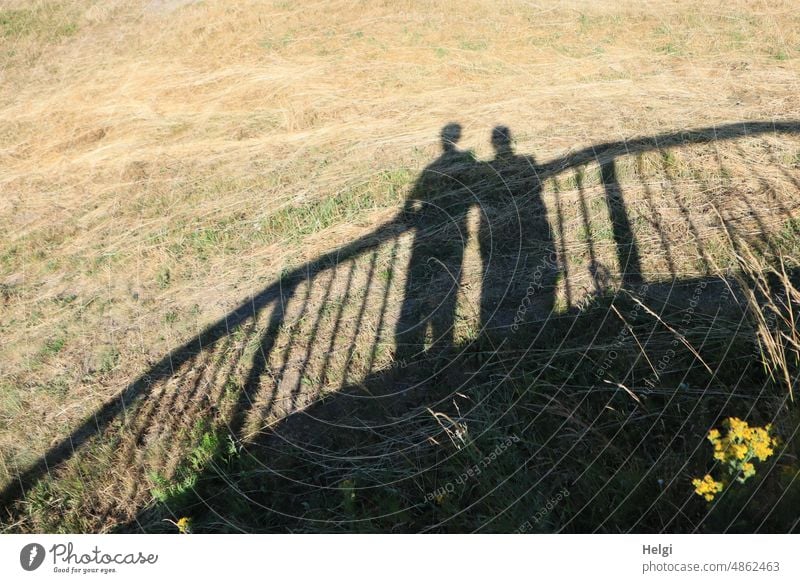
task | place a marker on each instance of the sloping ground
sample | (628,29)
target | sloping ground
(155,179)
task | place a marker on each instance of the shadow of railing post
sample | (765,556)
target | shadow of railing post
(626,246)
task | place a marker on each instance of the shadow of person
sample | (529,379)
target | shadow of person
(436,212)
(518,256)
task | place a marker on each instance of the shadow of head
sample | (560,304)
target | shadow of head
(501,142)
(451,134)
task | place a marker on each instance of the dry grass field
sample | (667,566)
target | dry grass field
(216,221)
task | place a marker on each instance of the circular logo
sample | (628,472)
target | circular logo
(31,556)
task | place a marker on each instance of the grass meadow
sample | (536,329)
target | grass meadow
(408,266)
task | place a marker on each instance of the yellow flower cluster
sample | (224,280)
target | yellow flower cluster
(735,450)
(708,487)
(742,442)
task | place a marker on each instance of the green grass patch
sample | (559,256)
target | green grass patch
(211,446)
(46,21)
(52,347)
(299,221)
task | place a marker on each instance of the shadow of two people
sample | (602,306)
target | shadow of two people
(498,204)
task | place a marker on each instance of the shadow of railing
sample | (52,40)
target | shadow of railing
(323,333)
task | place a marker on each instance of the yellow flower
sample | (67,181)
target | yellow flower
(739,450)
(184,525)
(737,428)
(762,443)
(708,487)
